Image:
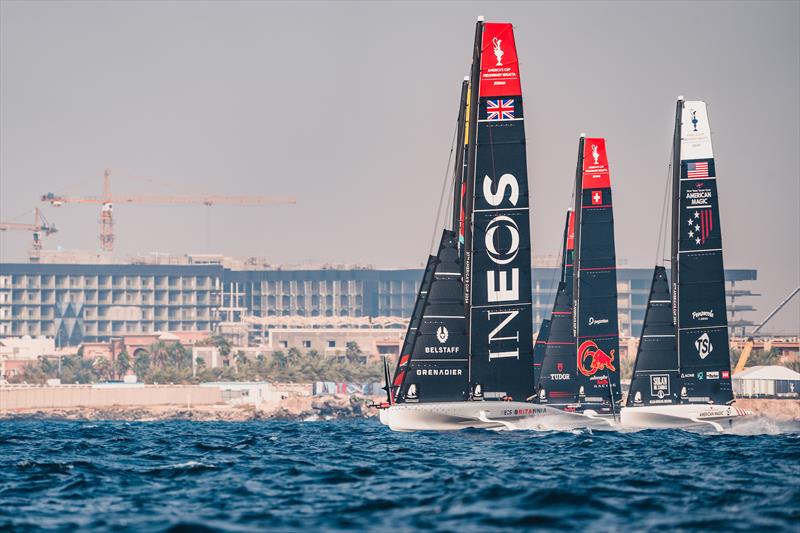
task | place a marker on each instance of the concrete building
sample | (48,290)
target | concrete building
(74,303)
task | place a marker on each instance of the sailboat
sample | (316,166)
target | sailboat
(682,374)
(467,360)
(580,371)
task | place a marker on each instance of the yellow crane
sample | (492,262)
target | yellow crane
(40,228)
(748,344)
(107,201)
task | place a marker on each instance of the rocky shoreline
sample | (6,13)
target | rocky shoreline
(296,408)
(338,407)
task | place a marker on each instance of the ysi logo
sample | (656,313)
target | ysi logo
(703,346)
(502,285)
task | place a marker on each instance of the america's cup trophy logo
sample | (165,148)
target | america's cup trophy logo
(498,52)
(694,119)
(595,154)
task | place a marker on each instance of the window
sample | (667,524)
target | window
(283,344)
(306,344)
(331,344)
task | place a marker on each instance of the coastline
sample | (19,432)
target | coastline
(302,408)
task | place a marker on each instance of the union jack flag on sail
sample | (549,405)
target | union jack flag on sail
(698,169)
(500,109)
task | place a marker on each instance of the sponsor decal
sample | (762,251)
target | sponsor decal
(703,346)
(698,197)
(703,315)
(700,225)
(560,366)
(726,374)
(562,376)
(597,321)
(712,375)
(442,334)
(499,67)
(441,349)
(498,51)
(700,376)
(598,359)
(595,167)
(525,411)
(659,385)
(439,371)
(597,197)
(694,119)
(500,109)
(637,398)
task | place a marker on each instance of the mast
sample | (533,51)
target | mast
(676,193)
(458,170)
(469,177)
(573,282)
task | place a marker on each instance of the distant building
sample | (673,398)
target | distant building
(766,382)
(76,303)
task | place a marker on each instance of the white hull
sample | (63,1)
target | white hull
(687,416)
(449,416)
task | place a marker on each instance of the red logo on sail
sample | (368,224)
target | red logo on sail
(598,359)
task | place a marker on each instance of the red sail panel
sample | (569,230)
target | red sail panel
(499,65)
(595,167)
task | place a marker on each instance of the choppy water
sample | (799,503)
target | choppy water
(159,476)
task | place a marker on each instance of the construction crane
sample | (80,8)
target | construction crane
(107,201)
(39,228)
(748,345)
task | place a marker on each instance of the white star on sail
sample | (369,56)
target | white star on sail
(690,221)
(697,214)
(697,240)
(691,233)
(697,228)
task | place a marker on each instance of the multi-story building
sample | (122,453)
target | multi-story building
(94,302)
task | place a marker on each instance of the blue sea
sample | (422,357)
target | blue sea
(357,475)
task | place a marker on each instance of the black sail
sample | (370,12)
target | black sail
(656,377)
(698,276)
(596,326)
(539,348)
(413,327)
(498,253)
(557,383)
(436,368)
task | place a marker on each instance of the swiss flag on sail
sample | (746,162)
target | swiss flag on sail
(597,197)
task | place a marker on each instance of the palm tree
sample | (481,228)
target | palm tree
(241,361)
(352,352)
(141,364)
(160,354)
(224,347)
(123,363)
(102,368)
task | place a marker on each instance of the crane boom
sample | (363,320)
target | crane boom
(107,201)
(748,345)
(40,226)
(169,200)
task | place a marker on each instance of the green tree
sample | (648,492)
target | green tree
(224,348)
(141,364)
(123,363)
(352,353)
(102,368)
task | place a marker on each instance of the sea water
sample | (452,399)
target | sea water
(358,475)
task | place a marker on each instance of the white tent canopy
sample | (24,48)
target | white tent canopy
(768,372)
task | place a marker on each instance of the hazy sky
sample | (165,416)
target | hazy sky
(351,108)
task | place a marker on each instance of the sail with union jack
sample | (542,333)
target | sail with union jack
(500,109)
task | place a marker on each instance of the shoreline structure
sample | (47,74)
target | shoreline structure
(286,401)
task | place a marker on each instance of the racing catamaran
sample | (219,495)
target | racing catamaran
(467,360)
(682,374)
(580,371)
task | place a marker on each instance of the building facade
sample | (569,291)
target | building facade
(92,302)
